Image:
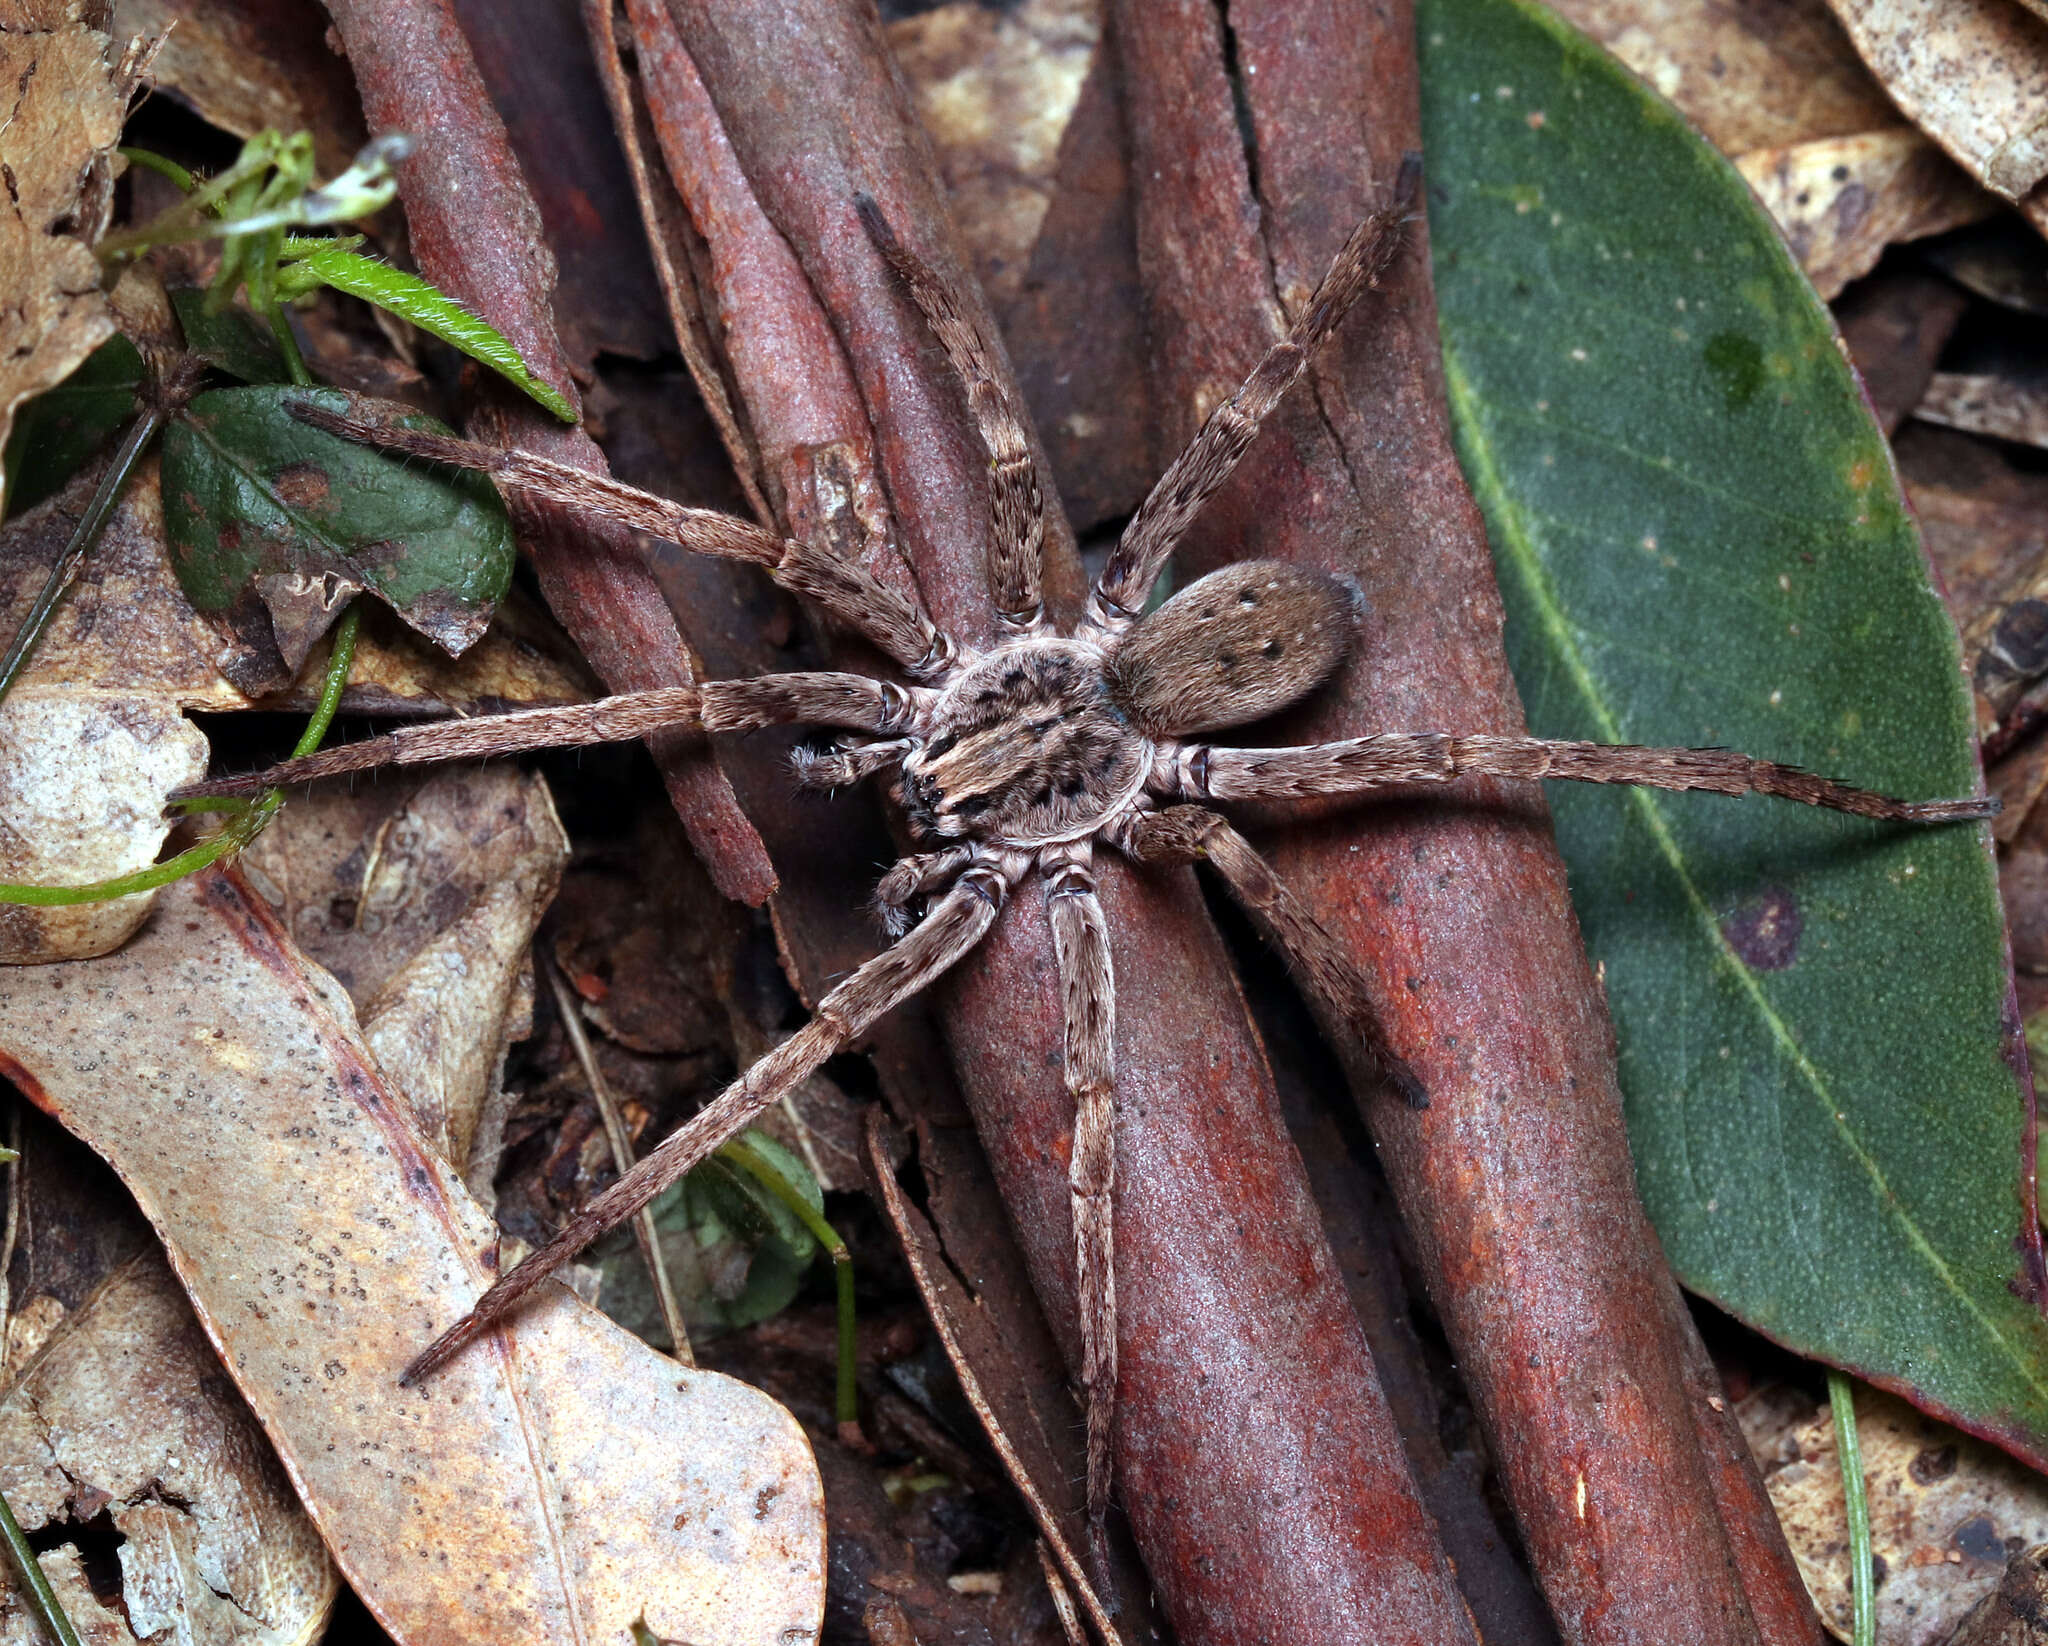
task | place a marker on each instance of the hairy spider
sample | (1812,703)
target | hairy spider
(1027,757)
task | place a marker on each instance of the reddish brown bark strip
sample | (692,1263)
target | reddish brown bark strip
(1643,1520)
(1260,1470)
(477,236)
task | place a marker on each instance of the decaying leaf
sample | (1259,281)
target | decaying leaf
(1841,200)
(995,87)
(1781,91)
(125,1414)
(1945,1510)
(557,1484)
(2004,407)
(2016,1612)
(252,67)
(60,116)
(421,896)
(1972,74)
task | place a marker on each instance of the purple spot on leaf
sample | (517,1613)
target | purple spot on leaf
(1764,930)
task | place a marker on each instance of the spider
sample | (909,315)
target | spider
(1031,756)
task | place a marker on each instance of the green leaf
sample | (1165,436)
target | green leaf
(1701,540)
(410,297)
(229,337)
(736,1254)
(255,500)
(60,429)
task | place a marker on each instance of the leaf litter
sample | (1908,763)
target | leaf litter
(559,1486)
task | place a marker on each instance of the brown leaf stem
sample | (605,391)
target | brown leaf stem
(476,235)
(1643,1518)
(1245,1379)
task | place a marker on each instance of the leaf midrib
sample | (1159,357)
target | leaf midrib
(1491,491)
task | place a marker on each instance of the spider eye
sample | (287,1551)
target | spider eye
(1233,647)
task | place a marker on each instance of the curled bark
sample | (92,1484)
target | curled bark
(477,236)
(1639,1510)
(1262,1475)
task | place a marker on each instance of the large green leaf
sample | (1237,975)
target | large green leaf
(257,502)
(1701,540)
(57,431)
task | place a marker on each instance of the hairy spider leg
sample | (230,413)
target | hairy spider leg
(1016,496)
(841,589)
(1186,834)
(1080,936)
(849,700)
(956,923)
(1193,477)
(1360,764)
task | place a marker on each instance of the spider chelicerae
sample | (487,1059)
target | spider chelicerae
(1030,756)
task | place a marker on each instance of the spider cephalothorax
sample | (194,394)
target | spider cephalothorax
(1023,758)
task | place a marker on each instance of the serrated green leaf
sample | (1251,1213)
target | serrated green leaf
(428,308)
(1701,540)
(256,500)
(56,432)
(229,337)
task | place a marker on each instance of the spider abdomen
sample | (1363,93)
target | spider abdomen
(1027,746)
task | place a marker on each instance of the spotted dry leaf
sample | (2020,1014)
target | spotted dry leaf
(557,1484)
(1972,74)
(60,116)
(1780,90)
(125,1413)
(1945,1510)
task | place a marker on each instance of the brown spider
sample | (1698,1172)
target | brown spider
(1025,757)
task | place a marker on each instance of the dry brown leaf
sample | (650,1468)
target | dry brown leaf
(1972,74)
(1780,90)
(995,87)
(2007,408)
(2016,1612)
(1750,77)
(1841,200)
(1945,1510)
(125,1412)
(422,898)
(557,1484)
(60,116)
(251,67)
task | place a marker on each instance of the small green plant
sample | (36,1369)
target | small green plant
(251,492)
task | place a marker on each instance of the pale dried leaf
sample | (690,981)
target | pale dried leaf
(250,68)
(2007,408)
(1841,200)
(1945,1509)
(125,1410)
(60,114)
(83,775)
(1972,74)
(441,1023)
(556,1483)
(994,88)
(1750,77)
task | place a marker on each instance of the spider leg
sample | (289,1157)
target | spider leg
(848,764)
(1080,938)
(1363,763)
(1016,545)
(1207,461)
(918,875)
(851,700)
(1183,834)
(959,921)
(842,589)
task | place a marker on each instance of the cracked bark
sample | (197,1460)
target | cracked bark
(476,235)
(1639,1508)
(1279,1498)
